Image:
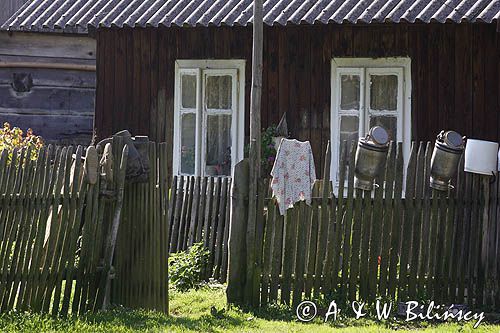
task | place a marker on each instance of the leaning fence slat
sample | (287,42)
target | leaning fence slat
(426,221)
(9,220)
(376,238)
(386,229)
(36,198)
(312,240)
(289,254)
(277,251)
(220,230)
(417,220)
(300,222)
(331,267)
(214,221)
(65,233)
(225,246)
(268,234)
(347,222)
(78,196)
(194,212)
(396,222)
(406,232)
(323,227)
(26,165)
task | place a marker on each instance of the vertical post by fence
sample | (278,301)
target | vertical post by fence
(111,241)
(237,234)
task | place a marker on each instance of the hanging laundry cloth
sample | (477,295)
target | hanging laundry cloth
(293,173)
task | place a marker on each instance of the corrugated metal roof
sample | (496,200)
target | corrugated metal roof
(79,15)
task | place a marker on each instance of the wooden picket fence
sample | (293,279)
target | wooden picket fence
(56,233)
(141,257)
(402,241)
(200,213)
(51,233)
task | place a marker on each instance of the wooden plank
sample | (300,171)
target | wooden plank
(237,235)
(301,221)
(201,210)
(347,222)
(183,215)
(397,220)
(67,233)
(264,189)
(288,254)
(220,229)
(458,235)
(323,227)
(312,240)
(32,258)
(48,45)
(78,191)
(365,246)
(20,239)
(267,257)
(426,226)
(177,215)
(406,233)
(387,222)
(194,212)
(417,222)
(214,221)
(376,237)
(37,261)
(335,229)
(277,252)
(225,249)
(60,128)
(354,260)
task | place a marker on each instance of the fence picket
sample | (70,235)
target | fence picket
(397,219)
(387,219)
(347,221)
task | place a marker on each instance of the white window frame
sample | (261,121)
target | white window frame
(202,69)
(400,66)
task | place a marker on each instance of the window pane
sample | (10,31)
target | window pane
(218,159)
(188,91)
(349,128)
(389,123)
(188,130)
(218,92)
(349,92)
(384,92)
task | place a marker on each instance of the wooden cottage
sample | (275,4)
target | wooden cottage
(47,76)
(179,71)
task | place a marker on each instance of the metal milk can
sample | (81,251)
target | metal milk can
(370,157)
(447,153)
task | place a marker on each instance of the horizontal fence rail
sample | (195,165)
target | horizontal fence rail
(403,240)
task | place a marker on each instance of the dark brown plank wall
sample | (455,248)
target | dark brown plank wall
(455,75)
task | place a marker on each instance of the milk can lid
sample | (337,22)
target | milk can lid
(379,135)
(453,139)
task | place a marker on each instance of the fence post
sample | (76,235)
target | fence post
(237,234)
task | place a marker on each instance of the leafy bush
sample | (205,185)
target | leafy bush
(12,138)
(185,268)
(268,150)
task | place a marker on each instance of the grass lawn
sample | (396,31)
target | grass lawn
(205,311)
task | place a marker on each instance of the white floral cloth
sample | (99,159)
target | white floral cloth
(293,173)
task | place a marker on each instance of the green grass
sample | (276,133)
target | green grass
(205,310)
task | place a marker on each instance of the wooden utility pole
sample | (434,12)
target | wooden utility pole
(255,150)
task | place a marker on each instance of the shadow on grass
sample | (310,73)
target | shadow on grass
(146,320)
